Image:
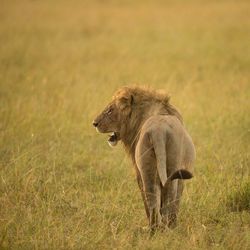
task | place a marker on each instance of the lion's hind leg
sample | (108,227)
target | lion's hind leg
(171,195)
(153,199)
(152,193)
(147,166)
(168,202)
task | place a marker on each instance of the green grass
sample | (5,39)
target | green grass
(61,185)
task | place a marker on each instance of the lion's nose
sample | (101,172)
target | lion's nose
(95,124)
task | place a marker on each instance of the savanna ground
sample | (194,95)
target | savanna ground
(61,185)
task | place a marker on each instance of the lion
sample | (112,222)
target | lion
(162,151)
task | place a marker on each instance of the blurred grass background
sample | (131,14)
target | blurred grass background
(61,186)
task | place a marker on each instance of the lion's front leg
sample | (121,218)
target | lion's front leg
(140,184)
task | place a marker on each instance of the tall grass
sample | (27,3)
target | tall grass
(61,186)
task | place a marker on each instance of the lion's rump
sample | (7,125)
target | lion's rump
(171,143)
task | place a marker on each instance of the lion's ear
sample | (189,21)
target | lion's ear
(125,102)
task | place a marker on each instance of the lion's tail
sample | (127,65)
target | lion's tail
(159,145)
(179,174)
(161,158)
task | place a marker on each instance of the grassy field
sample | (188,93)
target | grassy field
(61,185)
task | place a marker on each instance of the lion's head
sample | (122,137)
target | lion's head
(112,118)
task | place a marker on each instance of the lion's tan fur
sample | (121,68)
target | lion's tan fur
(154,136)
(147,102)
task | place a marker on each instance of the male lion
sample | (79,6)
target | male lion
(162,151)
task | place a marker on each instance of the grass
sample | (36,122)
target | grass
(61,186)
(239,199)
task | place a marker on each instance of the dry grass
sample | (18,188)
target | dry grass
(61,186)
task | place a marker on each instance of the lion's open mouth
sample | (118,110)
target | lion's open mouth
(113,139)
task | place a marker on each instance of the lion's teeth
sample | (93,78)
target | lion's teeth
(112,143)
